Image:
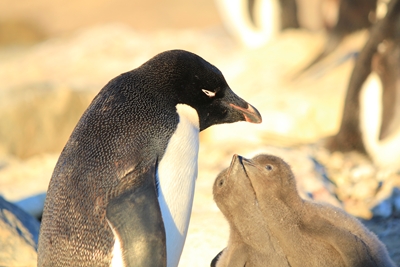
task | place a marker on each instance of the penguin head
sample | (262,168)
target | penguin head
(189,79)
(270,176)
(233,192)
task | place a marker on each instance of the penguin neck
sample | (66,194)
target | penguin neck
(283,213)
(176,174)
(251,229)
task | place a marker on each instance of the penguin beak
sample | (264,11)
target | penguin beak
(240,108)
(236,165)
(250,113)
(241,165)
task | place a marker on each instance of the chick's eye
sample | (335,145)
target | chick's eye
(268,167)
(208,93)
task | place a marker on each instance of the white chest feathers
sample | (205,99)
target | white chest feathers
(386,152)
(177,173)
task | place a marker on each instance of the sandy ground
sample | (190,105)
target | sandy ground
(294,112)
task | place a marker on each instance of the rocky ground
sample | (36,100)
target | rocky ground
(45,87)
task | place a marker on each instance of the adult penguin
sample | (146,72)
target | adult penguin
(122,190)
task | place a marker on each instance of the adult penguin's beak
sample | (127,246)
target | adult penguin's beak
(240,109)
(250,114)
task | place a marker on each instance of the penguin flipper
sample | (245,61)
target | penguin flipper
(353,250)
(136,221)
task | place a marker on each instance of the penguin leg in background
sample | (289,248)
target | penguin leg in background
(136,221)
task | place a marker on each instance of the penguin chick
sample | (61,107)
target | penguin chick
(307,233)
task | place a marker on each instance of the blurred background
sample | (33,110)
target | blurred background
(295,61)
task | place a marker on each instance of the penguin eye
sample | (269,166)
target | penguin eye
(208,93)
(268,167)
